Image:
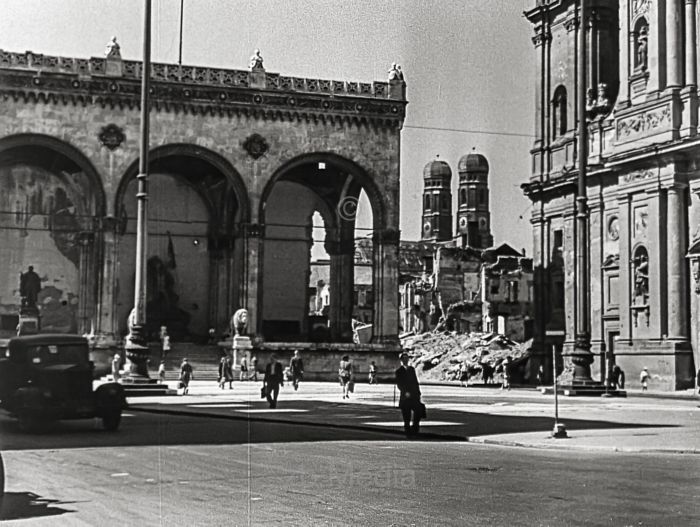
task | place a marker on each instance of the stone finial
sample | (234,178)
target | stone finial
(112,50)
(395,73)
(256,61)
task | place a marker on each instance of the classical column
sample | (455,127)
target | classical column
(385,280)
(107,323)
(690,44)
(674,50)
(342,287)
(677,285)
(253,276)
(86,270)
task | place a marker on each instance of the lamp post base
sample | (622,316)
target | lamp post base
(559,431)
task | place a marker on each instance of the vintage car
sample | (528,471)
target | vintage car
(48,377)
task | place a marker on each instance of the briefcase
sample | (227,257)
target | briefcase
(422,411)
(263,392)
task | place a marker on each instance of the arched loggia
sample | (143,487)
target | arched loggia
(51,205)
(195,269)
(307,184)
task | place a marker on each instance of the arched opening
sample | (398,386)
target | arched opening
(311,294)
(51,203)
(194,263)
(559,117)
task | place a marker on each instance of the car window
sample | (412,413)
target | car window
(57,354)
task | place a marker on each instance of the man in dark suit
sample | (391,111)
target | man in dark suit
(273,380)
(409,400)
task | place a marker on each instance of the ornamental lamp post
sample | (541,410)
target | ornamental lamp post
(581,356)
(136,344)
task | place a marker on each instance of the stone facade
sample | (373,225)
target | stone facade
(642,183)
(235,156)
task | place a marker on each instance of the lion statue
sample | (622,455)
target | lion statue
(239,322)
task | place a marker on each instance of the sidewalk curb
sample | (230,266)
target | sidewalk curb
(364,428)
(587,448)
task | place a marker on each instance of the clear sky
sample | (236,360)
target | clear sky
(469,66)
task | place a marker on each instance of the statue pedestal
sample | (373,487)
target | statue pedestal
(242,344)
(29,321)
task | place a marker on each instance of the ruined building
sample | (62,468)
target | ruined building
(458,281)
(643,184)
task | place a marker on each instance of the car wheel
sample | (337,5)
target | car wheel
(28,423)
(111,420)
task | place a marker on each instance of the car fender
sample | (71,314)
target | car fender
(28,398)
(110,396)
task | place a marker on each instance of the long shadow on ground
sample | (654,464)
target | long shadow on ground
(196,423)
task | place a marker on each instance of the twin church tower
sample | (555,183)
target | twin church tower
(473,225)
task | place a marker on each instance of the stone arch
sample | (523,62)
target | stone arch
(318,180)
(54,197)
(376,199)
(239,190)
(208,244)
(59,146)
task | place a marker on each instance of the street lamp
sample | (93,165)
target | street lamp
(582,357)
(136,344)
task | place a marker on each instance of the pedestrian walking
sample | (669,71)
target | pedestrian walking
(644,379)
(165,342)
(506,374)
(273,380)
(617,378)
(254,368)
(464,374)
(116,365)
(244,368)
(345,375)
(409,397)
(296,369)
(540,375)
(161,371)
(225,373)
(186,375)
(372,373)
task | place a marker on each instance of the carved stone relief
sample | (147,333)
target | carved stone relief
(643,124)
(640,7)
(636,175)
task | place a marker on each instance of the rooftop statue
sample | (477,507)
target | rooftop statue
(112,50)
(395,73)
(256,61)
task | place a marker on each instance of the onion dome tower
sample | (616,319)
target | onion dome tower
(473,213)
(437,202)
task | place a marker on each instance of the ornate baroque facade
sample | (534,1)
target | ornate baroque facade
(240,160)
(643,183)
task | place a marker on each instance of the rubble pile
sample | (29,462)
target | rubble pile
(442,356)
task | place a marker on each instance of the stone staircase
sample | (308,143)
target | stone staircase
(204,359)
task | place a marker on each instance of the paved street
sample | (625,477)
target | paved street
(221,458)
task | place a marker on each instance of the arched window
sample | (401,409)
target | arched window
(559,124)
(427,202)
(462,196)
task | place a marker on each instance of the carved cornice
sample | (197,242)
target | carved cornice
(36,78)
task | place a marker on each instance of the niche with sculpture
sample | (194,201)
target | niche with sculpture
(640,291)
(641,45)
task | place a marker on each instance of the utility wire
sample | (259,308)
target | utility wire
(467,131)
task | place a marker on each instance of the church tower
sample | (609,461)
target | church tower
(437,202)
(473,213)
